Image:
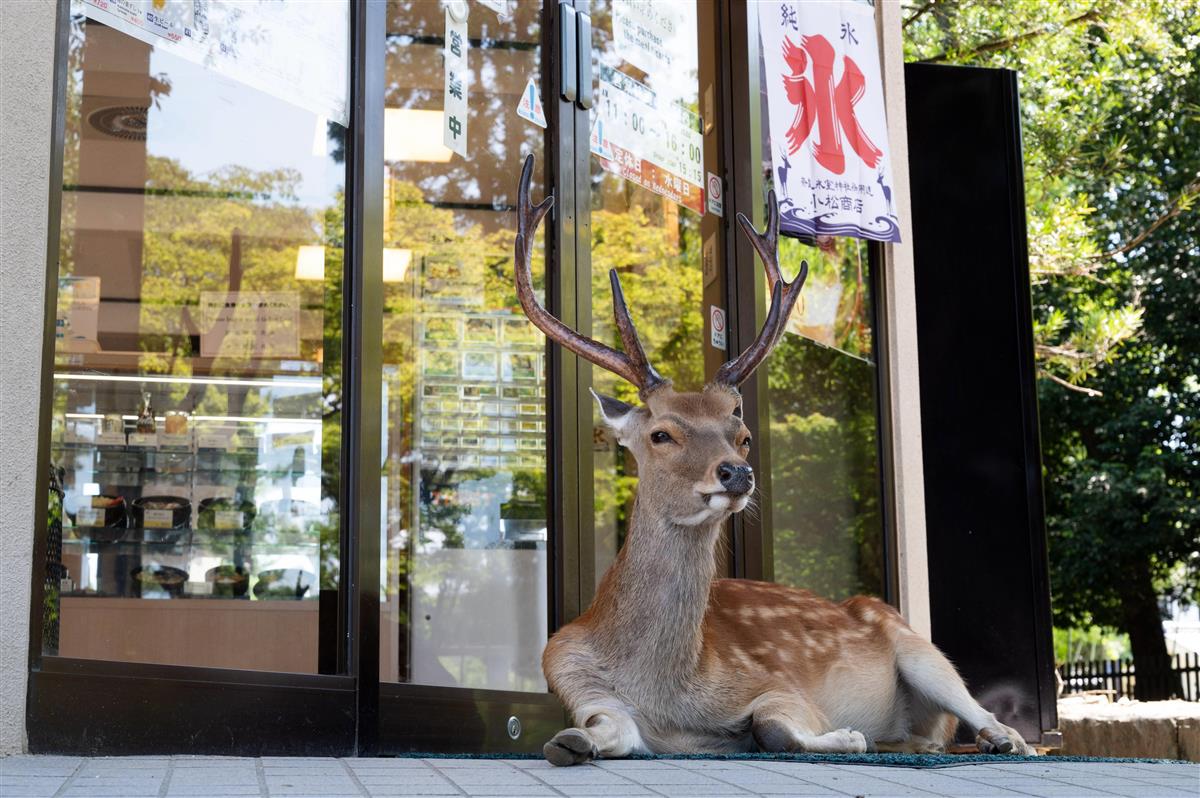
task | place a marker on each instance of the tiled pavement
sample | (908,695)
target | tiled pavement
(215,777)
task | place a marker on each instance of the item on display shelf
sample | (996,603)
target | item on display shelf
(163,577)
(283,583)
(114,424)
(228,580)
(157,513)
(222,514)
(176,422)
(145,417)
(102,520)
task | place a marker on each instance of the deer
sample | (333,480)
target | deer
(669,659)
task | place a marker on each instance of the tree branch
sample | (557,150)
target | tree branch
(1009,41)
(1173,210)
(920,12)
(1065,384)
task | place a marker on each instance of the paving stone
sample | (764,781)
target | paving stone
(181,790)
(529,764)
(585,790)
(101,791)
(793,788)
(465,764)
(631,764)
(1047,788)
(579,775)
(39,766)
(400,776)
(389,764)
(708,790)
(214,776)
(72,777)
(1183,782)
(412,789)
(535,791)
(675,776)
(29,785)
(507,778)
(752,776)
(948,785)
(1117,786)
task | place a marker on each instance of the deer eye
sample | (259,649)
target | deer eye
(746,442)
(659,436)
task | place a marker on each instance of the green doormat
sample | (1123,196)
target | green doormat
(885,760)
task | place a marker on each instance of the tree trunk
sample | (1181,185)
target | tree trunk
(1155,680)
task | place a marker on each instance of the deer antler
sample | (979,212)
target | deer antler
(783,297)
(632,364)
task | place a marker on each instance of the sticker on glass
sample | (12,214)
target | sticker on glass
(530,107)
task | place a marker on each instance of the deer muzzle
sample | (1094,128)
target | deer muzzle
(736,479)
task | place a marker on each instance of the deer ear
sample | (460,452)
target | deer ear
(616,414)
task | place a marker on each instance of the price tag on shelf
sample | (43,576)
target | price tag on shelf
(245,442)
(228,519)
(214,440)
(143,439)
(183,441)
(111,439)
(89,516)
(158,519)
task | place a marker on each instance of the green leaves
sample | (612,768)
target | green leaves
(1111,115)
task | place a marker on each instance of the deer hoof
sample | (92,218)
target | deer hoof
(569,747)
(1002,741)
(854,741)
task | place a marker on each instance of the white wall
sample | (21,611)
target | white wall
(26,108)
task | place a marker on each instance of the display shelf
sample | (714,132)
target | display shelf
(196,538)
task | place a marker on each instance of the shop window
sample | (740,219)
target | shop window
(825,515)
(464,534)
(196,404)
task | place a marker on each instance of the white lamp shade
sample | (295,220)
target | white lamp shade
(310,263)
(395,264)
(411,134)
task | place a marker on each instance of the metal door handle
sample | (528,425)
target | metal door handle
(567,51)
(584,41)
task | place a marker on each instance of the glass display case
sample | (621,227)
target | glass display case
(196,404)
(212,508)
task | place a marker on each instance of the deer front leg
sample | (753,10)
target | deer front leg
(789,724)
(606,730)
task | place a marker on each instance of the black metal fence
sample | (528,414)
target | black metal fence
(1118,677)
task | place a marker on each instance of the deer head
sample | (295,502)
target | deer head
(691,448)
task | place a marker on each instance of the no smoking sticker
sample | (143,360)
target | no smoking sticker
(716,318)
(716,195)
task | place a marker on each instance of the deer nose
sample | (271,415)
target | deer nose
(735,478)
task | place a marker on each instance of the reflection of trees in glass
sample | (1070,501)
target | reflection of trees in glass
(656,251)
(454,269)
(824,478)
(833,308)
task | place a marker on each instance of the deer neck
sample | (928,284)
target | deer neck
(650,606)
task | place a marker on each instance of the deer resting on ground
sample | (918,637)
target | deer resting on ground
(668,659)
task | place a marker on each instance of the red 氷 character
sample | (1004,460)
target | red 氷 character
(828,106)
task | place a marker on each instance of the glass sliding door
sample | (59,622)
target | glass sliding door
(464,577)
(649,151)
(195,424)
(824,527)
